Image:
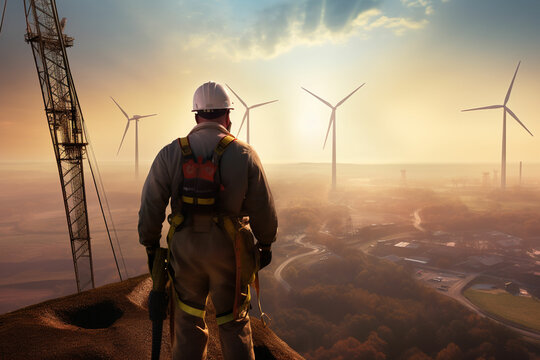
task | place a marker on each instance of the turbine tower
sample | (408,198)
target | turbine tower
(505,111)
(246,114)
(332,124)
(135,118)
(520,171)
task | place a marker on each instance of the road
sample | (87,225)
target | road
(455,292)
(316,249)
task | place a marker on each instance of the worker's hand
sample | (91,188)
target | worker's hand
(265,255)
(157,305)
(151,253)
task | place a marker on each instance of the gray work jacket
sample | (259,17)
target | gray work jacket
(246,190)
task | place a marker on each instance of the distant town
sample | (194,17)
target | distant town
(459,263)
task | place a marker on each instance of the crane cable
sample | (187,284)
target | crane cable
(100,190)
(3,13)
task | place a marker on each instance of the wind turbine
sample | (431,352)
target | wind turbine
(246,114)
(332,124)
(505,110)
(135,118)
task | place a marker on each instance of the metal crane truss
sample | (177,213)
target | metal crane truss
(64,117)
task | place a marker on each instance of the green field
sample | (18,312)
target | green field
(517,309)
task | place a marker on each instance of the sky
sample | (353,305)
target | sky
(422,61)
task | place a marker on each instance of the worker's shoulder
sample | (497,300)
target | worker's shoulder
(240,147)
(171,149)
(242,152)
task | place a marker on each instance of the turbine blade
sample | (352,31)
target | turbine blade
(261,104)
(121,142)
(145,116)
(235,94)
(127,116)
(348,96)
(516,118)
(485,107)
(242,124)
(511,85)
(3,13)
(324,101)
(332,119)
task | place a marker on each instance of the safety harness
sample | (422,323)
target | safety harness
(200,190)
(202,180)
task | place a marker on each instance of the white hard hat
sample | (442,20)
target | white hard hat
(211,96)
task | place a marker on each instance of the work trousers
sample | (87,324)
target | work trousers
(204,264)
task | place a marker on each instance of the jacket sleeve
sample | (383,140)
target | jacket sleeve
(259,203)
(154,200)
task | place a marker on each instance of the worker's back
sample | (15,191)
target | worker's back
(208,245)
(244,185)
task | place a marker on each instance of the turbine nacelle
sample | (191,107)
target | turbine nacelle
(331,123)
(334,108)
(506,99)
(246,113)
(136,119)
(506,110)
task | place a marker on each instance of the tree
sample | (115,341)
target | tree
(451,352)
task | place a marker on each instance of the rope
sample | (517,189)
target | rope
(3,13)
(100,189)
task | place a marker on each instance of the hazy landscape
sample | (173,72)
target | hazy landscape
(417,248)
(385,267)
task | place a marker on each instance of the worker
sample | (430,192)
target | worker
(202,255)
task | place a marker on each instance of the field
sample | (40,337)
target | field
(518,309)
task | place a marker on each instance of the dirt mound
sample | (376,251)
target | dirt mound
(110,322)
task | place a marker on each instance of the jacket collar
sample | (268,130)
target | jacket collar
(209,125)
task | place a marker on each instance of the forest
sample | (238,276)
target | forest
(455,215)
(353,306)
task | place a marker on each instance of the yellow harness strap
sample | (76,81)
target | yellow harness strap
(184,145)
(201,201)
(219,150)
(243,310)
(191,310)
(223,143)
(176,220)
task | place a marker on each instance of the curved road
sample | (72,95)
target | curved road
(317,249)
(455,292)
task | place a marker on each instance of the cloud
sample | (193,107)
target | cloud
(399,25)
(273,29)
(427,5)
